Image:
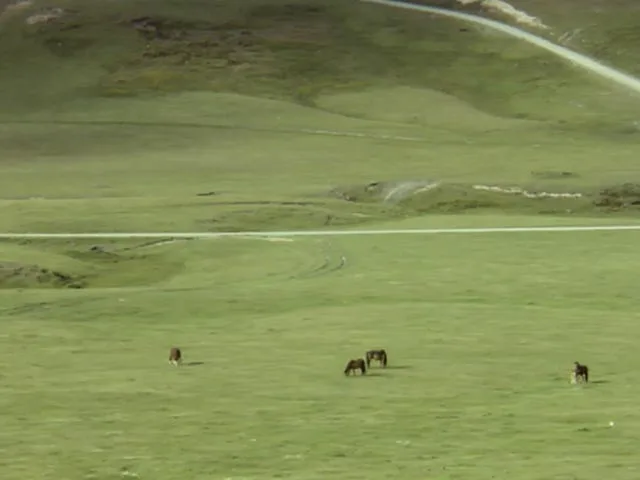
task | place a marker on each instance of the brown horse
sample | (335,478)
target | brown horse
(175,356)
(379,355)
(580,372)
(354,365)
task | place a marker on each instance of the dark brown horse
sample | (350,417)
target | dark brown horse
(580,372)
(379,355)
(175,356)
(354,365)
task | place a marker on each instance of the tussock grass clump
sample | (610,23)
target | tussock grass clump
(624,196)
(20,275)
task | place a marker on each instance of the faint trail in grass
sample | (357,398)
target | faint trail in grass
(285,131)
(155,243)
(333,262)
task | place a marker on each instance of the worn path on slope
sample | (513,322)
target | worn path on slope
(576,58)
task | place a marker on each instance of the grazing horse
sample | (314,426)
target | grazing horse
(379,355)
(579,372)
(354,365)
(175,356)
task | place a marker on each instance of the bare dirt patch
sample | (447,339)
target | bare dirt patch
(506,9)
(496,8)
(45,16)
(389,192)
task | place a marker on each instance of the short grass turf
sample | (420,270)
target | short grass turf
(481,332)
(207,128)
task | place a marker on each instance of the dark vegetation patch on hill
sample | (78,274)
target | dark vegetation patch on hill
(329,215)
(87,266)
(619,197)
(19,275)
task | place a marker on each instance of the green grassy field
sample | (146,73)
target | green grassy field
(307,115)
(481,331)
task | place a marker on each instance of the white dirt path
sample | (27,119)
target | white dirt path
(324,233)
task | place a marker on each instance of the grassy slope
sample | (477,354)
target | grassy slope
(604,29)
(121,123)
(482,329)
(299,53)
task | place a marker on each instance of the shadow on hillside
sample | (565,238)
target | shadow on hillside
(193,364)
(599,382)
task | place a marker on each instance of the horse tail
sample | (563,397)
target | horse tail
(364,369)
(586,374)
(384,358)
